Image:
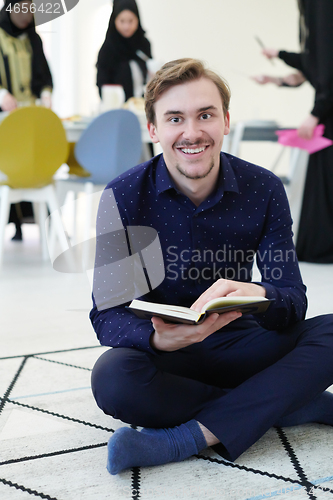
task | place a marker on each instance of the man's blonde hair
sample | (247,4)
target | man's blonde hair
(177,72)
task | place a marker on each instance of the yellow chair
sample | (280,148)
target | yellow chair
(74,166)
(33,146)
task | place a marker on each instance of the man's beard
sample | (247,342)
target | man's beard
(187,144)
(189,176)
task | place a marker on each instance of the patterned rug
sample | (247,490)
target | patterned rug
(53,442)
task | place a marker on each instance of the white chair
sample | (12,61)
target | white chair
(293,176)
(250,130)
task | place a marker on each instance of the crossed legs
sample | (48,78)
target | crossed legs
(237,385)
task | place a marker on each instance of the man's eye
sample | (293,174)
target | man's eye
(205,116)
(175,119)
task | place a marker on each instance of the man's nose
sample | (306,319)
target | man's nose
(192,130)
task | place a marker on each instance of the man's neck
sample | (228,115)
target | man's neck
(197,190)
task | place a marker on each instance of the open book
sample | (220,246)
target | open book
(179,314)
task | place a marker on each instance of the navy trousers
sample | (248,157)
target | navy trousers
(238,383)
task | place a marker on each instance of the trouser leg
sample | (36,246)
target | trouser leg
(128,386)
(244,414)
(15,216)
(138,388)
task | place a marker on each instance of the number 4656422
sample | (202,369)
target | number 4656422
(26,7)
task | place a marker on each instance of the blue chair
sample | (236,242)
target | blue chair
(110,145)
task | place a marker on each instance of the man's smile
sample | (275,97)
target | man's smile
(193,150)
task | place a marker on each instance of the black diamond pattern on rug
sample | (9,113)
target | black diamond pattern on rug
(53,445)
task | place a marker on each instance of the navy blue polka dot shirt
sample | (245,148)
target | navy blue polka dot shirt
(245,219)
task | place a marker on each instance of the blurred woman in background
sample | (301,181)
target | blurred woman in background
(24,74)
(315,64)
(123,56)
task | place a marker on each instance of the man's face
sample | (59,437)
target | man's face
(190,126)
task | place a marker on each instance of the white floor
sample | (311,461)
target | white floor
(43,311)
(40,309)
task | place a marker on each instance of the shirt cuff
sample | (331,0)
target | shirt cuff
(271,291)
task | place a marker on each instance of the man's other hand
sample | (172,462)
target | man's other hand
(305,131)
(171,337)
(228,288)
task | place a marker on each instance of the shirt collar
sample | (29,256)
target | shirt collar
(163,179)
(227,180)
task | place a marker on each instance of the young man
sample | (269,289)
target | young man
(226,381)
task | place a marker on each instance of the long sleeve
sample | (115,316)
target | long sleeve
(117,327)
(277,261)
(41,74)
(316,62)
(293,59)
(105,66)
(115,279)
(320,45)
(118,278)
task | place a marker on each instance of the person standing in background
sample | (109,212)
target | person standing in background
(123,56)
(315,64)
(24,75)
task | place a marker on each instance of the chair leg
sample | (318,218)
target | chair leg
(89,190)
(277,159)
(42,218)
(298,166)
(74,215)
(237,138)
(86,251)
(57,224)
(4,213)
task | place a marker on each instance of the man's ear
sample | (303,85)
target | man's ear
(152,132)
(227,124)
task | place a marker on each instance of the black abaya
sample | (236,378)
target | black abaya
(40,79)
(315,234)
(40,73)
(117,51)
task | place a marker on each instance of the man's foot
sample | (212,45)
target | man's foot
(130,448)
(319,410)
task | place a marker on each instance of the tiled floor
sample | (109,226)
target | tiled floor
(53,437)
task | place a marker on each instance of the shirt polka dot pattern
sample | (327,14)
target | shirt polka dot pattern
(246,217)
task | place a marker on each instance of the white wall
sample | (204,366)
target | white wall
(221,32)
